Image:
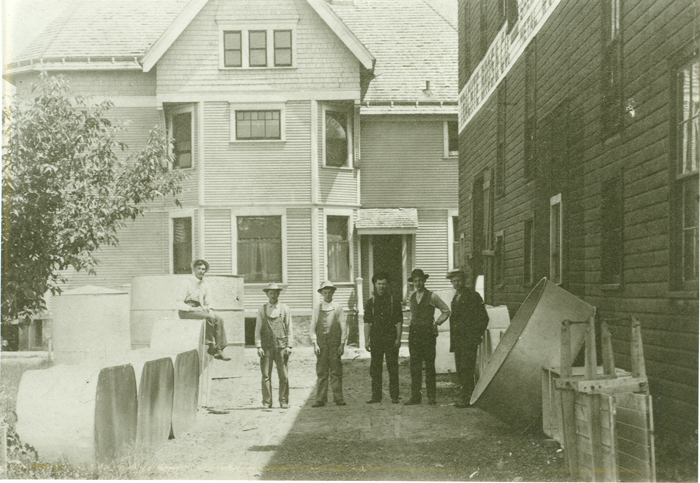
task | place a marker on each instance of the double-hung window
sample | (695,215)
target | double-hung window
(337,137)
(556,243)
(338,242)
(259,254)
(451,139)
(612,67)
(684,245)
(254,47)
(182,245)
(180,129)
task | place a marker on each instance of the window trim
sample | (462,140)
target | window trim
(553,201)
(223,47)
(234,107)
(532,242)
(451,215)
(171,112)
(245,28)
(351,243)
(259,211)
(350,113)
(171,235)
(677,283)
(446,153)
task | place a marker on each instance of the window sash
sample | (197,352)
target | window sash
(452,138)
(283,48)
(259,248)
(182,245)
(257,48)
(233,48)
(182,139)
(612,218)
(258,125)
(555,240)
(338,243)
(689,228)
(337,139)
(688,118)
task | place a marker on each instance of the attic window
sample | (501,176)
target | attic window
(254,47)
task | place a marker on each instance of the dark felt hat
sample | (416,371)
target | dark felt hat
(417,272)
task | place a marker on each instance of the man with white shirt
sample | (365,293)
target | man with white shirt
(273,338)
(422,337)
(329,331)
(193,302)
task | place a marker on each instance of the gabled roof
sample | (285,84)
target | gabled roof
(414,41)
(141,29)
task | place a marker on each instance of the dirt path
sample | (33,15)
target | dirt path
(355,442)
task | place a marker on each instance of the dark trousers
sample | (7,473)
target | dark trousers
(328,364)
(384,347)
(274,356)
(421,348)
(465,362)
(215,332)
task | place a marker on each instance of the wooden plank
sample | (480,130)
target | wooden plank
(634,467)
(631,401)
(630,433)
(633,448)
(631,417)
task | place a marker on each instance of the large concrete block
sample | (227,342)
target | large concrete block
(84,414)
(90,324)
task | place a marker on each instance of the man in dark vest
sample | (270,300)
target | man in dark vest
(383,324)
(273,338)
(422,335)
(468,322)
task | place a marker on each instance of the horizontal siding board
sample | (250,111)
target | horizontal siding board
(217,233)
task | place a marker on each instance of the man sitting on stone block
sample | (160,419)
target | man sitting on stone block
(193,303)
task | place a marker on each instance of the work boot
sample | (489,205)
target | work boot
(412,402)
(432,402)
(341,403)
(374,400)
(318,404)
(284,406)
(220,355)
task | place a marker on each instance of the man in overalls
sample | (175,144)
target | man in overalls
(422,337)
(273,338)
(329,331)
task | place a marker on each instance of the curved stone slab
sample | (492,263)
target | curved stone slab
(186,394)
(85,414)
(510,386)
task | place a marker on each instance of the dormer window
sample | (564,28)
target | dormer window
(248,47)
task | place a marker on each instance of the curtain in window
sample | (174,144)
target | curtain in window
(338,249)
(260,248)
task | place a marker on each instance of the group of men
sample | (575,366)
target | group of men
(329,332)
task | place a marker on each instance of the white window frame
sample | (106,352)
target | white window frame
(169,123)
(247,27)
(171,235)
(259,211)
(446,153)
(451,214)
(351,240)
(555,203)
(277,106)
(350,112)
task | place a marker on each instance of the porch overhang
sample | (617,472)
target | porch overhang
(387,221)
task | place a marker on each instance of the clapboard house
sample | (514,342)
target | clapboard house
(319,142)
(578,154)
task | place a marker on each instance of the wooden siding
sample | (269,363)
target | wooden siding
(143,250)
(217,236)
(192,62)
(403,164)
(257,172)
(96,83)
(568,81)
(431,247)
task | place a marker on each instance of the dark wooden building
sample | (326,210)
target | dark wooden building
(579,162)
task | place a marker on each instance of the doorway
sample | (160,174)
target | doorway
(387,256)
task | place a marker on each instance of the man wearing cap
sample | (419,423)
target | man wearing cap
(468,322)
(383,324)
(273,338)
(193,302)
(329,331)
(422,337)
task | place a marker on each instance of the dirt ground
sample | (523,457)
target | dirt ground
(238,439)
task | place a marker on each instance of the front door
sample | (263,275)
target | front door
(387,257)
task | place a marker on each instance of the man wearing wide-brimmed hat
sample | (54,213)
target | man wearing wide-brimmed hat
(422,337)
(468,321)
(194,302)
(329,331)
(273,338)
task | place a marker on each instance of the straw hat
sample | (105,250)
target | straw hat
(327,284)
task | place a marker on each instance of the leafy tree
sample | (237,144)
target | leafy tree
(66,190)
